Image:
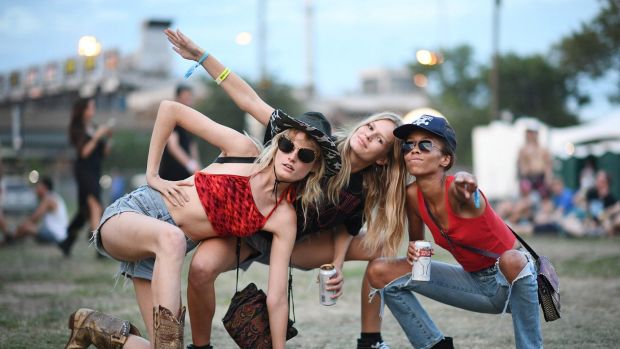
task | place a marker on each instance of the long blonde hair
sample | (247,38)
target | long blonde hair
(308,189)
(384,187)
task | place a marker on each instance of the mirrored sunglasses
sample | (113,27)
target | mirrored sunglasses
(305,155)
(425,146)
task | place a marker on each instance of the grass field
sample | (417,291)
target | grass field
(39,289)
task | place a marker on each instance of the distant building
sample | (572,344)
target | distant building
(380,90)
(35,103)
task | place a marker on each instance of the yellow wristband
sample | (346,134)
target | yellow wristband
(222,76)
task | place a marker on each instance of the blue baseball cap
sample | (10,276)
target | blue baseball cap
(432,124)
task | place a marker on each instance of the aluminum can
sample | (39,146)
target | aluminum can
(421,270)
(325,273)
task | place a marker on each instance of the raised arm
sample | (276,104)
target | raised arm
(171,114)
(239,91)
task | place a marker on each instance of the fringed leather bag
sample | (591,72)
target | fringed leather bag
(247,317)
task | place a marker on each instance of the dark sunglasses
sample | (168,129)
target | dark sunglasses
(425,146)
(305,155)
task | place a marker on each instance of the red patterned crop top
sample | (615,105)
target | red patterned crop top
(229,204)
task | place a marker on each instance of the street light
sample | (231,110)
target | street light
(243,38)
(426,57)
(88,46)
(416,113)
(420,80)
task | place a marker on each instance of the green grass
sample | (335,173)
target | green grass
(586,265)
(39,289)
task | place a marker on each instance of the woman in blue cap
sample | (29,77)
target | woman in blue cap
(491,276)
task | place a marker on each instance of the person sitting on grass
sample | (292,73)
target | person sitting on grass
(48,223)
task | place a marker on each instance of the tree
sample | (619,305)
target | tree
(532,86)
(594,50)
(529,86)
(459,94)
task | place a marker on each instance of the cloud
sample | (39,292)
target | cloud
(17,21)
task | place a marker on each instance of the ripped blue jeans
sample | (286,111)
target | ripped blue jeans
(485,291)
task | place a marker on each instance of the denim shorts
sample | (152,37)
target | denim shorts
(145,201)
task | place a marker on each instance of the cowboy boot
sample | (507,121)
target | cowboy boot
(168,330)
(99,329)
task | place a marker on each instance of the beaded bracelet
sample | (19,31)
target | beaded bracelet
(191,69)
(222,76)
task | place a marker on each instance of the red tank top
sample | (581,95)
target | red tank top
(486,232)
(229,204)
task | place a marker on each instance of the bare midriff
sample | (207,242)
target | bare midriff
(191,218)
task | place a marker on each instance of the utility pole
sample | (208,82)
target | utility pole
(262,42)
(494,78)
(16,125)
(309,18)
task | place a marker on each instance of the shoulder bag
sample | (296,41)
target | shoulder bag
(247,317)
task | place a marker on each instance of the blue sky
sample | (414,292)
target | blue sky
(350,35)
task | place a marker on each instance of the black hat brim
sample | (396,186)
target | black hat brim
(282,122)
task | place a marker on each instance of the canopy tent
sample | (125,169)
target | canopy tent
(598,141)
(495,150)
(593,138)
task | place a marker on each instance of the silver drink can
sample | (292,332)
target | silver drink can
(325,273)
(421,270)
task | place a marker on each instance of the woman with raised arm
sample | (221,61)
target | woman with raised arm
(163,219)
(369,190)
(492,274)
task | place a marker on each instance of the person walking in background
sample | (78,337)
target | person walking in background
(92,146)
(180,159)
(48,223)
(534,163)
(491,274)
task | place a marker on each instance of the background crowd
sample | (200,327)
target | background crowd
(545,205)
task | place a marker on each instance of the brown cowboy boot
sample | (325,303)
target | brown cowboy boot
(101,330)
(168,331)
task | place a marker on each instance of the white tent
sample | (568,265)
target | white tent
(495,148)
(593,138)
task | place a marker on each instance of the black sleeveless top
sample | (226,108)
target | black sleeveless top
(171,169)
